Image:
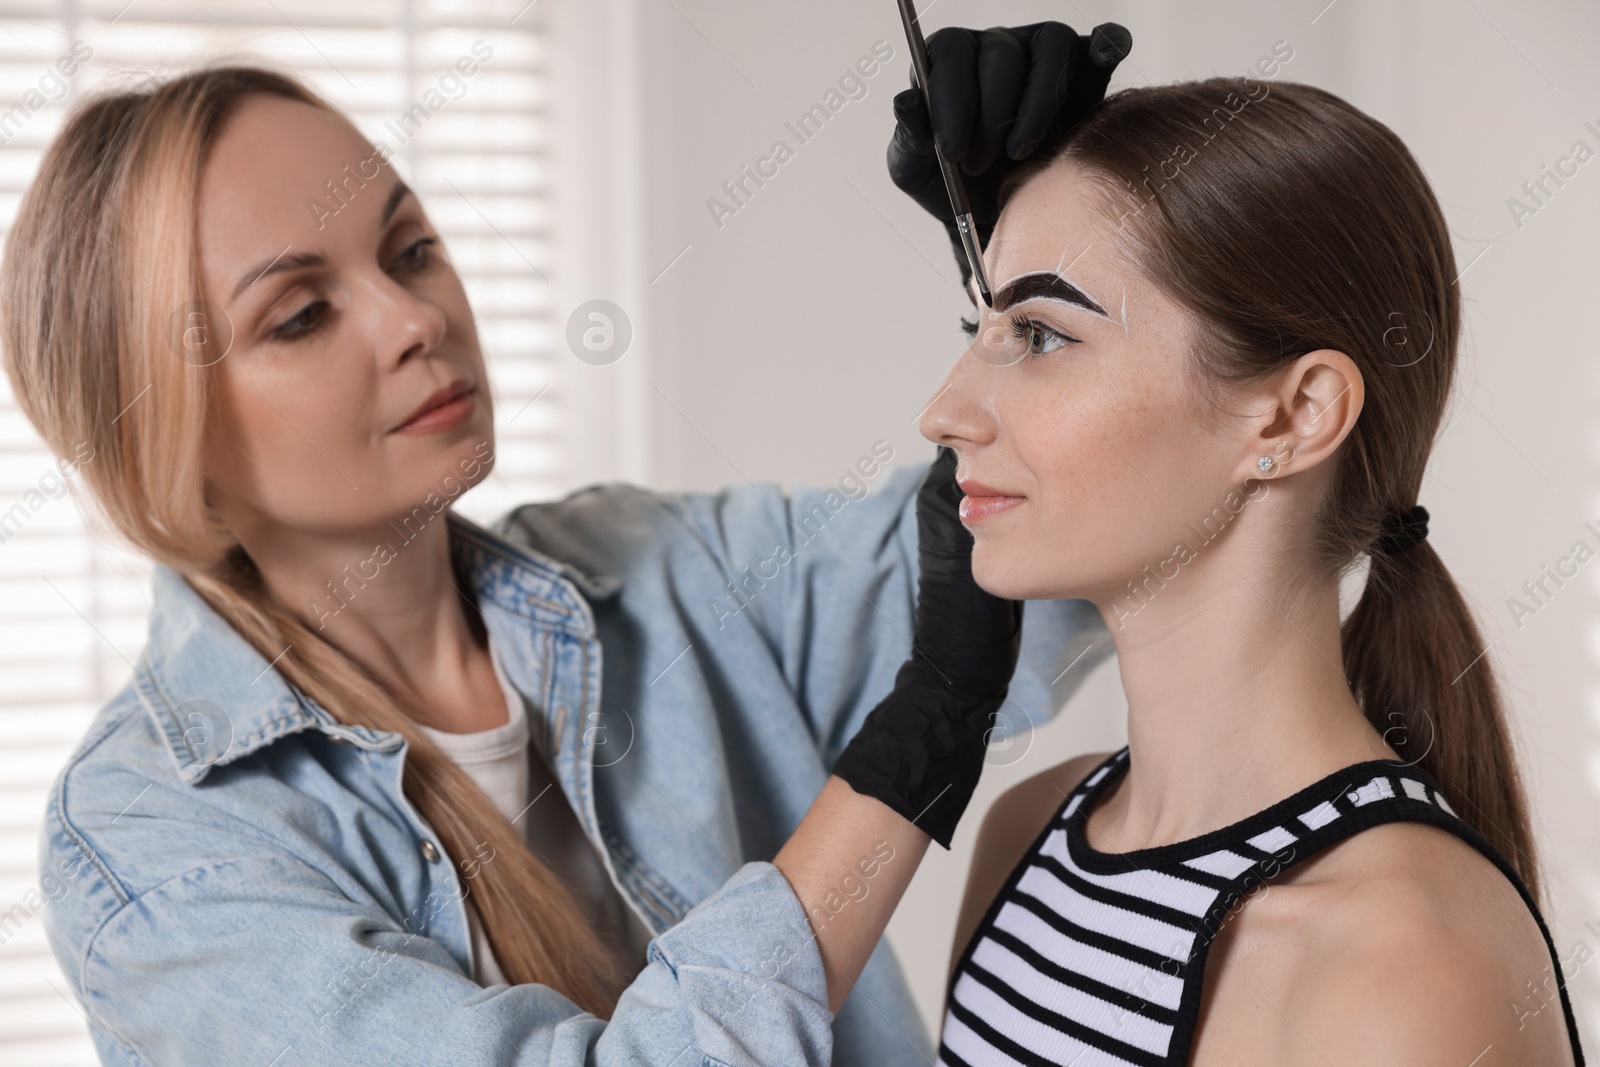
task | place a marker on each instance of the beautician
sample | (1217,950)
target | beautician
(522,798)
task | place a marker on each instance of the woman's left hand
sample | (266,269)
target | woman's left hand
(921,750)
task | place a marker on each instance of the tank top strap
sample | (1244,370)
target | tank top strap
(1102,955)
(1340,806)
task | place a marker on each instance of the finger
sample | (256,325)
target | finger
(942,472)
(1104,48)
(1053,51)
(1002,72)
(911,112)
(915,172)
(912,165)
(1109,44)
(953,89)
(944,502)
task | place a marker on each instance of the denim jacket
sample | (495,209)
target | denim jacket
(243,881)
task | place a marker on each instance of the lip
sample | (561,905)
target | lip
(444,408)
(982,501)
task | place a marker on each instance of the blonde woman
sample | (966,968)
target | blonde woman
(390,787)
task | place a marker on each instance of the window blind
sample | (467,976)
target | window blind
(475,149)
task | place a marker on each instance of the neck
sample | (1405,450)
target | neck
(1236,696)
(385,596)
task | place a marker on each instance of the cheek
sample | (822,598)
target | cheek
(1156,440)
(284,440)
(1096,443)
(1112,458)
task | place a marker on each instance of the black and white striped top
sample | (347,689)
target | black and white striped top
(1095,960)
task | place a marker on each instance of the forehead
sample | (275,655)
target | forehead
(1062,220)
(270,163)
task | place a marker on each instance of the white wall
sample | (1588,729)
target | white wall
(822,315)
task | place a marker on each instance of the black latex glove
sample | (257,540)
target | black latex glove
(998,94)
(921,750)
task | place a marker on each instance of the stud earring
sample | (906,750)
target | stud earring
(1264,464)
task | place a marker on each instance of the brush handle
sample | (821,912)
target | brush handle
(919,69)
(966,226)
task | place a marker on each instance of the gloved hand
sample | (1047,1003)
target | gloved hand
(1003,88)
(921,750)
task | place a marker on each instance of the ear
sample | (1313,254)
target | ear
(1307,409)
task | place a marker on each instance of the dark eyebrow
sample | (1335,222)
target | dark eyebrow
(302,260)
(1046,285)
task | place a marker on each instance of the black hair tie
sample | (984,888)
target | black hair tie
(1401,531)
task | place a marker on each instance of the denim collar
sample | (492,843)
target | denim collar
(216,699)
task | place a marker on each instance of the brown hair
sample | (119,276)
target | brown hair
(1288,221)
(104,248)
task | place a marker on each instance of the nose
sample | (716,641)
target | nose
(963,411)
(401,322)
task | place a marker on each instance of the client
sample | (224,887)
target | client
(1214,292)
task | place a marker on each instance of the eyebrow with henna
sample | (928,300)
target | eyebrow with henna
(1045,285)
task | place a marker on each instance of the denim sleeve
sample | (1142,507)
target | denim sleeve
(261,958)
(840,617)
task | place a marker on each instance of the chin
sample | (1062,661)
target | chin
(465,464)
(995,577)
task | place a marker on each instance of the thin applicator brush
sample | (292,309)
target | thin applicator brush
(953,184)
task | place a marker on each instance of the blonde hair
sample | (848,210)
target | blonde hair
(102,252)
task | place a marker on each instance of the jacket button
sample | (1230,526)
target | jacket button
(429,852)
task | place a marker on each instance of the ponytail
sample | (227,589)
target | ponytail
(1418,666)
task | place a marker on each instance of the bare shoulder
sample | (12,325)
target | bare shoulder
(1017,816)
(1012,823)
(1422,938)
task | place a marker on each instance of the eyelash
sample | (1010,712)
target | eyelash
(286,331)
(1022,327)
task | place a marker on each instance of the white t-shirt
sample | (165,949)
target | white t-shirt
(515,774)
